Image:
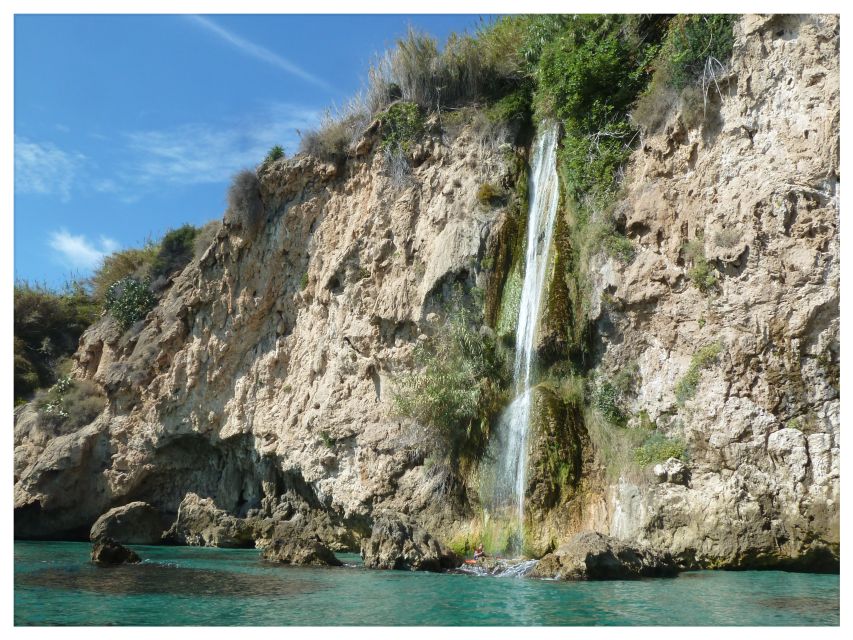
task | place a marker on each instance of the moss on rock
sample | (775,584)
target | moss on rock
(555,453)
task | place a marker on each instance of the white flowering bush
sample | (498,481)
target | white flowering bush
(129,300)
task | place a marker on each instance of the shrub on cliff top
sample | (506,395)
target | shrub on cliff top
(402,126)
(245,208)
(175,251)
(276,153)
(122,264)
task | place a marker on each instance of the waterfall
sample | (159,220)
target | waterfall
(514,423)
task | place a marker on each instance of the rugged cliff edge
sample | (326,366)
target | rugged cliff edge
(263,378)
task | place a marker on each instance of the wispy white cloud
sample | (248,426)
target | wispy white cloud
(43,168)
(259,52)
(206,153)
(77,252)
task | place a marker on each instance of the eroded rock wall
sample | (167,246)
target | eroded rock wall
(261,380)
(758,189)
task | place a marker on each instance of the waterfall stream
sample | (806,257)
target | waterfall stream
(514,424)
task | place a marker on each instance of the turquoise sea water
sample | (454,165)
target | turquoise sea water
(56,585)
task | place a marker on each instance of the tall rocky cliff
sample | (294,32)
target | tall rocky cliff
(263,379)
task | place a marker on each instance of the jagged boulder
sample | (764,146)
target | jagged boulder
(109,552)
(398,543)
(594,556)
(288,543)
(132,523)
(200,523)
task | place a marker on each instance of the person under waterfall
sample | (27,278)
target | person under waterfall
(479,552)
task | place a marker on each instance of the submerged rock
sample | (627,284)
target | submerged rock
(594,556)
(290,544)
(200,523)
(109,552)
(133,523)
(398,543)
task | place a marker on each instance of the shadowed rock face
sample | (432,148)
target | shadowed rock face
(397,543)
(133,523)
(109,552)
(595,556)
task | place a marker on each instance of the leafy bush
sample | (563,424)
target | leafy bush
(129,300)
(695,50)
(175,251)
(276,153)
(692,40)
(658,448)
(610,396)
(513,107)
(47,326)
(459,387)
(607,401)
(701,274)
(71,404)
(702,359)
(402,126)
(122,264)
(245,208)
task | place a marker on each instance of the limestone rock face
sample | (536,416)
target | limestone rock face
(397,543)
(201,524)
(595,556)
(755,187)
(672,470)
(290,544)
(133,523)
(107,551)
(262,378)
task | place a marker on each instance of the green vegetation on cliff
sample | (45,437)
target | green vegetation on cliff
(47,327)
(459,385)
(48,323)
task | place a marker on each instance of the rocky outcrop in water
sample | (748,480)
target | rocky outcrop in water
(133,523)
(107,552)
(595,556)
(288,543)
(201,524)
(397,543)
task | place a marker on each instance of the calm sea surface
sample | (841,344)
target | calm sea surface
(56,585)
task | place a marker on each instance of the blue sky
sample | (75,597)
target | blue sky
(126,126)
